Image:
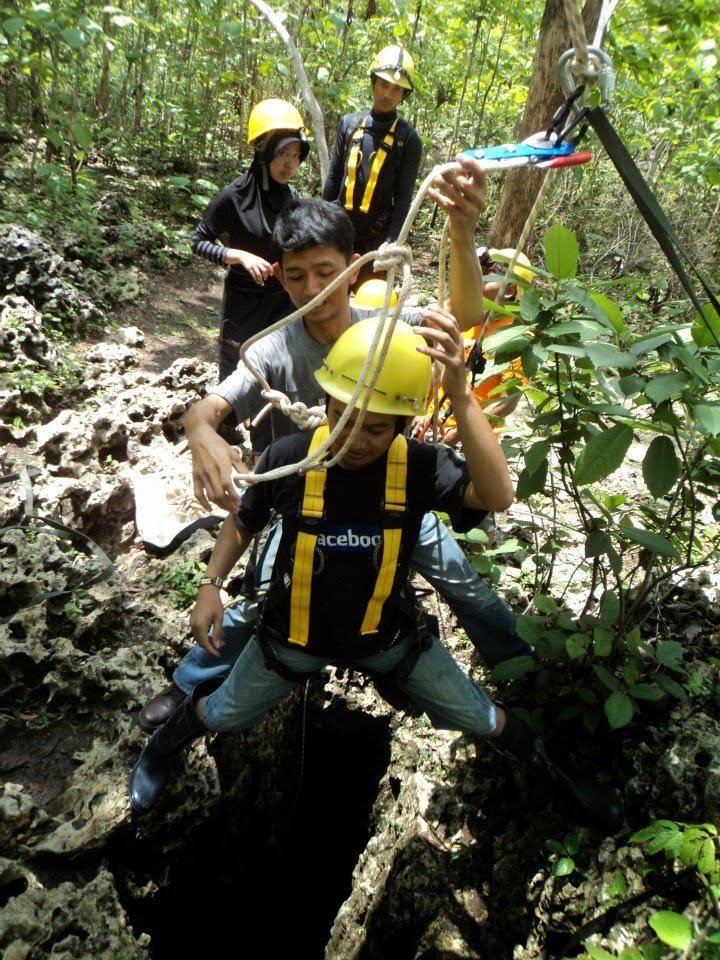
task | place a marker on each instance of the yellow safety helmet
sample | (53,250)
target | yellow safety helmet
(272,115)
(403,383)
(371,295)
(520,269)
(395,65)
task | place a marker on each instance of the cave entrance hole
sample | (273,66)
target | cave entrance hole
(274,880)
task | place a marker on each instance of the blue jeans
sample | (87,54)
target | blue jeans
(488,622)
(436,683)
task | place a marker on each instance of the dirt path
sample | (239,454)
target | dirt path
(179,314)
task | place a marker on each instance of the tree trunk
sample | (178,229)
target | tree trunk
(522,186)
(103,94)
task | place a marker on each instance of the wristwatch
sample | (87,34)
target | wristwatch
(212,582)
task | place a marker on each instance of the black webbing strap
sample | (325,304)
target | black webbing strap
(57,529)
(653,214)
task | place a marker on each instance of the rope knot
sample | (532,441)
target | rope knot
(394,256)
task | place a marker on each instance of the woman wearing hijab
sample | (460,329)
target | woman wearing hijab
(236,229)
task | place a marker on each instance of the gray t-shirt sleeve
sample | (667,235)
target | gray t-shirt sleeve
(242,391)
(287,360)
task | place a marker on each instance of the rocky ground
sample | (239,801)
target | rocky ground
(340,827)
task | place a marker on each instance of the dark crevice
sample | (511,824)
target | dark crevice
(278,864)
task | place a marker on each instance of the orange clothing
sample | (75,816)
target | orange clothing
(487,385)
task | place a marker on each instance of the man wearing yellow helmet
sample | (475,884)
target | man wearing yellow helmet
(314,241)
(340,592)
(236,231)
(376,158)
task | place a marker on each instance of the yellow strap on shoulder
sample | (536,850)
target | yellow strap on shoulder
(312,507)
(354,160)
(384,148)
(395,496)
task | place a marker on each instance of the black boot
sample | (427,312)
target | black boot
(591,803)
(150,773)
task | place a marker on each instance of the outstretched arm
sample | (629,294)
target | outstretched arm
(461,194)
(213,459)
(490,486)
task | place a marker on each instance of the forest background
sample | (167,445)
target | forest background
(149,102)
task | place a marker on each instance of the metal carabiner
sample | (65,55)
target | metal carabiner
(599,70)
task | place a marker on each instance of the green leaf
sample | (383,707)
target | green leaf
(82,135)
(13,25)
(232,28)
(597,953)
(545,604)
(602,642)
(513,668)
(669,653)
(577,644)
(74,38)
(652,541)
(54,137)
(644,691)
(658,832)
(566,350)
(660,466)
(631,385)
(632,639)
(619,709)
(606,355)
(536,455)
(529,483)
(554,846)
(598,544)
(708,417)
(609,608)
(665,386)
(611,311)
(531,628)
(672,928)
(606,678)
(561,252)
(671,686)
(704,334)
(707,860)
(121,20)
(563,867)
(603,454)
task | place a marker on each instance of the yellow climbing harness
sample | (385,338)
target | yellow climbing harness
(311,514)
(355,159)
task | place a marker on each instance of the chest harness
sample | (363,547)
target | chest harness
(393,515)
(355,159)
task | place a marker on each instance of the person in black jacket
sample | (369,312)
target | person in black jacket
(376,158)
(236,230)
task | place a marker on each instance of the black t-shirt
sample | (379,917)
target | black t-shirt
(350,536)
